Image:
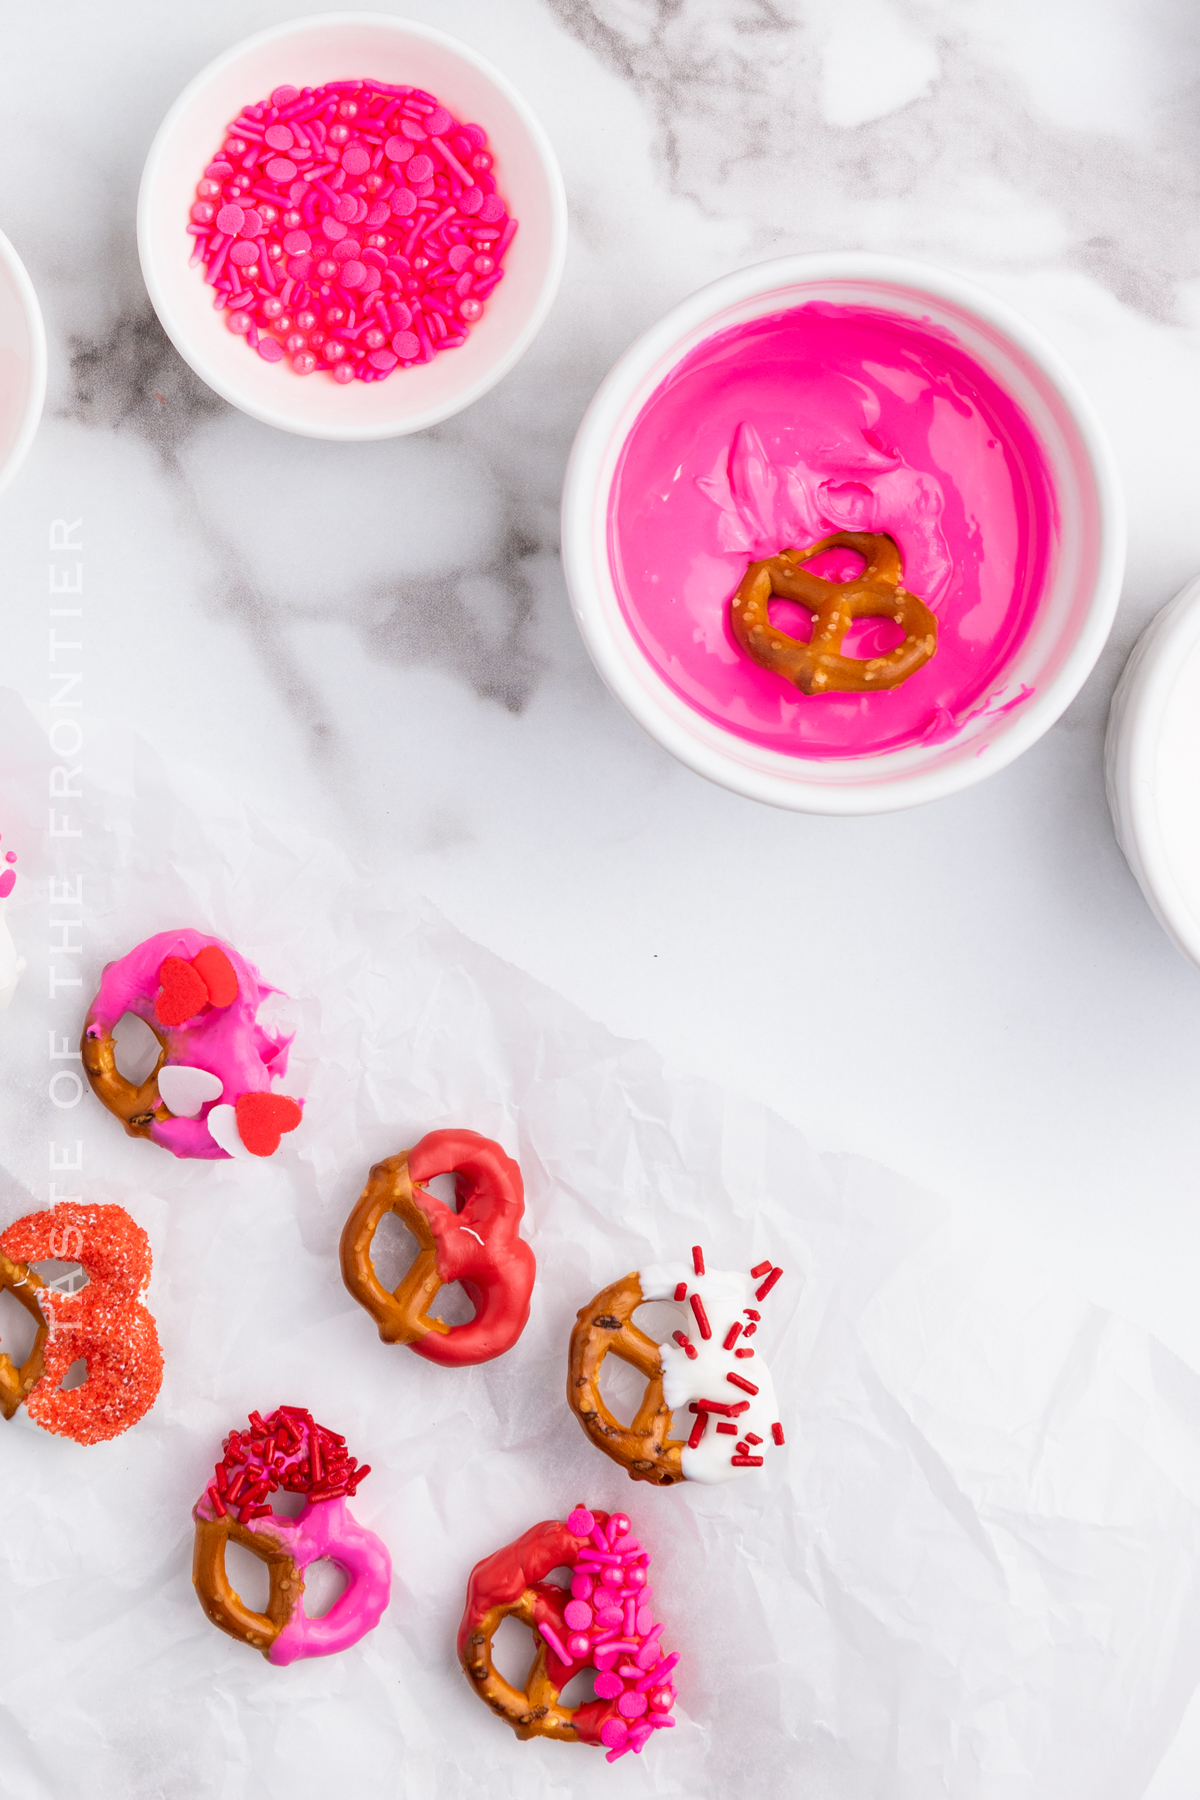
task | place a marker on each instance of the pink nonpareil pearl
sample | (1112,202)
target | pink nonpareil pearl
(304,362)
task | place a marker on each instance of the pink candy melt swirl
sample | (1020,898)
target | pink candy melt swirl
(354,227)
(227,1041)
(780,431)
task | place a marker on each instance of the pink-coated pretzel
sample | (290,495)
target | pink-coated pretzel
(289,1450)
(211,1093)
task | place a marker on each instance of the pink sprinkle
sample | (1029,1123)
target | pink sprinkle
(270,349)
(614,1732)
(10,856)
(580,1523)
(556,1644)
(645,1620)
(7,883)
(578,1614)
(243,254)
(231,219)
(281,168)
(632,1706)
(608,1686)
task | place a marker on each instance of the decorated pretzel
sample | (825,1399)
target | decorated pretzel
(478,1245)
(210,1094)
(818,667)
(103,1324)
(603,1622)
(715,1378)
(288,1450)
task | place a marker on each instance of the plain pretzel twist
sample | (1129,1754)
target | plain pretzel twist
(818,667)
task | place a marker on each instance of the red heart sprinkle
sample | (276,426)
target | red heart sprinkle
(262,1120)
(182,992)
(217,973)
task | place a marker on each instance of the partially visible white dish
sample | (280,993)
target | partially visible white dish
(1152,767)
(22,362)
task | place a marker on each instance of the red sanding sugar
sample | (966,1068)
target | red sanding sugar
(353,227)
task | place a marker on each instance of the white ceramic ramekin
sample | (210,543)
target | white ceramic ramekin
(307,52)
(1076,612)
(1152,767)
(22,362)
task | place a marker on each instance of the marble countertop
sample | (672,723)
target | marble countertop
(376,639)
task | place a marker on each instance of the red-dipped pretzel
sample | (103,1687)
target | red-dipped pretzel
(104,1324)
(478,1245)
(602,1622)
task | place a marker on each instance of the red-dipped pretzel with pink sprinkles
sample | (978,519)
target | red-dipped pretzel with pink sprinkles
(212,1092)
(604,1622)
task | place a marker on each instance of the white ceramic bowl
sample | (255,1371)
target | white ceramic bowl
(22,362)
(1152,767)
(1076,611)
(307,52)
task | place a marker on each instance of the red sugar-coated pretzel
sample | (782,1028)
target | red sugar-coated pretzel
(478,1246)
(105,1324)
(603,1621)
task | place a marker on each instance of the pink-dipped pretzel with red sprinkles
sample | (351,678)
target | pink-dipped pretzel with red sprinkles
(354,227)
(603,1622)
(211,1094)
(104,1324)
(288,1450)
(707,1374)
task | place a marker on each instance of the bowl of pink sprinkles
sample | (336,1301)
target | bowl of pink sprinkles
(351,226)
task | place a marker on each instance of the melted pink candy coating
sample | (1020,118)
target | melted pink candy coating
(822,418)
(326,1530)
(227,1041)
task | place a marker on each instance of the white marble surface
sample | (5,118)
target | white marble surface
(377,639)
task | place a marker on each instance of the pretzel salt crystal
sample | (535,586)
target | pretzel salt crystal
(478,1245)
(708,1376)
(289,1450)
(603,1622)
(818,667)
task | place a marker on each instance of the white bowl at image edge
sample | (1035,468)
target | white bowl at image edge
(22,362)
(1152,767)
(1074,616)
(305,53)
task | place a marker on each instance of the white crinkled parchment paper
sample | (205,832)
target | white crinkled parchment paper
(972,1572)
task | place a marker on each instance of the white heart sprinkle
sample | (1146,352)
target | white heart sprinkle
(185,1089)
(223,1128)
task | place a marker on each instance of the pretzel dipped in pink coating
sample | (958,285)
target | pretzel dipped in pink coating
(289,1450)
(478,1245)
(211,1092)
(603,1622)
(103,1324)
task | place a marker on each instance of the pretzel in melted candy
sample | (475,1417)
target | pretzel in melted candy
(714,1380)
(478,1245)
(288,1450)
(603,1622)
(818,666)
(210,1094)
(104,1324)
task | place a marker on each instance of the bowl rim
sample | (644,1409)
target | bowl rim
(38,361)
(1131,748)
(280,418)
(803,792)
